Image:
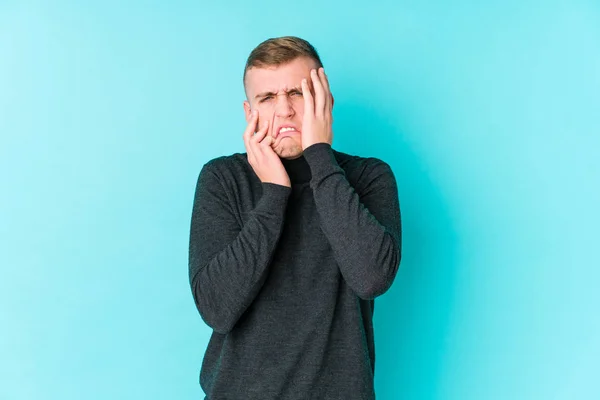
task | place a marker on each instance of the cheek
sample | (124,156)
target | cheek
(264,113)
(264,116)
(265,107)
(299,107)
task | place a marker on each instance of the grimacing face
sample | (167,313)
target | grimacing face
(276,93)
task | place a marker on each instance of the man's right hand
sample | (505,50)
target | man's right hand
(264,161)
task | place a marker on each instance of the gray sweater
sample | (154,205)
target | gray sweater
(286,277)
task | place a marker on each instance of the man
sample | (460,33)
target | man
(290,243)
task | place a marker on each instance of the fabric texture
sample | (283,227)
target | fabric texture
(287,277)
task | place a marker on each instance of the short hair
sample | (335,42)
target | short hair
(278,51)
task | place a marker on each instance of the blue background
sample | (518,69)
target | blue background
(488,113)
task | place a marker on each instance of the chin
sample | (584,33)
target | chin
(289,151)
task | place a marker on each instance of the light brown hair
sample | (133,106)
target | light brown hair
(278,51)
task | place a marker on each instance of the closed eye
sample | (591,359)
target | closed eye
(292,93)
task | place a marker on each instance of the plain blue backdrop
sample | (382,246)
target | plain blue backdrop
(488,113)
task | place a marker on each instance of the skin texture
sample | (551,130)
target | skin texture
(293,94)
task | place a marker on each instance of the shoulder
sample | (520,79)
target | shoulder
(222,164)
(228,167)
(227,171)
(363,169)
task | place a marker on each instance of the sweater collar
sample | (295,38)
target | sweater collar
(298,169)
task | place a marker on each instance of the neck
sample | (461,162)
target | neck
(297,168)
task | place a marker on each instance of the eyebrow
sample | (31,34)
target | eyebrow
(265,94)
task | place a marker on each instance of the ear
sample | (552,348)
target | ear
(247,110)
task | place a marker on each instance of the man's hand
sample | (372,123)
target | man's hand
(317,121)
(261,156)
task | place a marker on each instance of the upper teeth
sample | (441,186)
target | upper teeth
(286,130)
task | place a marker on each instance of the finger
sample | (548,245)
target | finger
(251,123)
(265,137)
(267,141)
(250,129)
(273,133)
(325,81)
(262,138)
(309,106)
(260,134)
(319,93)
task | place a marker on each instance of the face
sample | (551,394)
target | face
(276,93)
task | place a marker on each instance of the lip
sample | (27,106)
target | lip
(288,133)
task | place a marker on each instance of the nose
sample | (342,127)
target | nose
(283,108)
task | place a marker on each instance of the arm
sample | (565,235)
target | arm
(365,231)
(228,264)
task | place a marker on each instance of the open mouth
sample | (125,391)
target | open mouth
(287,130)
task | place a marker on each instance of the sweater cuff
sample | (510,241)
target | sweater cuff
(322,161)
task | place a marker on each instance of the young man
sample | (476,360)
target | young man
(290,243)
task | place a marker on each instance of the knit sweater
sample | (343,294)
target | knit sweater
(286,277)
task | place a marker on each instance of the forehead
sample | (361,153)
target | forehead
(281,77)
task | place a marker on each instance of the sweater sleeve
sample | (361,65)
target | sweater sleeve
(364,231)
(228,263)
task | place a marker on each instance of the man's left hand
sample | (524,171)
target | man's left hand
(318,119)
